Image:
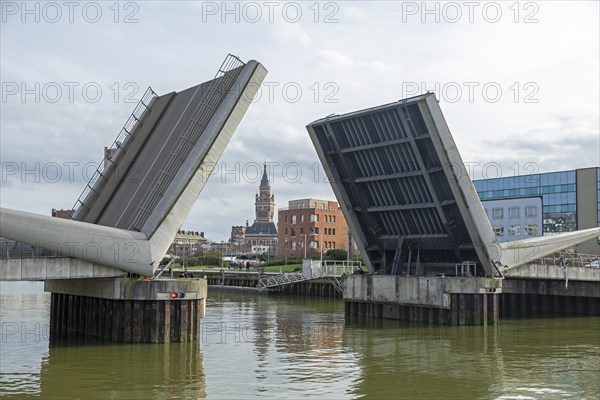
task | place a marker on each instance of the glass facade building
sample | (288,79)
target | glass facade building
(558,191)
(598,189)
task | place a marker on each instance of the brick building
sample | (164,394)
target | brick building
(187,243)
(238,234)
(66,214)
(308,226)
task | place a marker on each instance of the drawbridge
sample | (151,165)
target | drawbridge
(408,199)
(131,209)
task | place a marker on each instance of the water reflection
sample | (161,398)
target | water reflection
(101,370)
(555,358)
(24,310)
(276,347)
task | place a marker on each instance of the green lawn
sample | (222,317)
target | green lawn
(273,268)
(288,268)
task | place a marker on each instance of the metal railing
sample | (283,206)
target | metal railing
(313,269)
(467,268)
(571,260)
(201,116)
(116,151)
(339,268)
(272,281)
(162,268)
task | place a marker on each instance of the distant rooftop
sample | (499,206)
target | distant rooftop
(311,203)
(262,228)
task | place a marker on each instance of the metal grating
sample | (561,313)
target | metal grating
(211,99)
(118,148)
(390,179)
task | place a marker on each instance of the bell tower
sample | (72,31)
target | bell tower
(265,201)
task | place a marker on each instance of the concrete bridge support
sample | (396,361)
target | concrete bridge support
(435,300)
(127,310)
(526,298)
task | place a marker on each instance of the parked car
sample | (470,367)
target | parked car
(233,264)
(593,264)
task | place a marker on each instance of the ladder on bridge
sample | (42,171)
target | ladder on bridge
(274,281)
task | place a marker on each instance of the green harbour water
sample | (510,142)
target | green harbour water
(295,348)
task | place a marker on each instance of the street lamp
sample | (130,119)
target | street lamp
(222,255)
(304,245)
(321,247)
(286,254)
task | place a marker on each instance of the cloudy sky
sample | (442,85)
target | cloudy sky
(518,84)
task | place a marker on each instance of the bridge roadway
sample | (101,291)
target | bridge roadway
(136,170)
(42,268)
(151,177)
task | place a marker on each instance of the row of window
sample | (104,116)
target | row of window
(560,208)
(530,191)
(329,218)
(313,244)
(526,181)
(311,231)
(515,230)
(312,218)
(263,242)
(514,212)
(598,186)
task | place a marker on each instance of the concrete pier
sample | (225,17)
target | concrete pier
(436,300)
(127,310)
(526,298)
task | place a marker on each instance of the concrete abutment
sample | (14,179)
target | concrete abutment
(127,310)
(467,301)
(433,300)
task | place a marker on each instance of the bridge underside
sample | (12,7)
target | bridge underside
(398,182)
(408,199)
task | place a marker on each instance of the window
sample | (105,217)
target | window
(530,212)
(498,213)
(334,231)
(293,219)
(514,230)
(531,230)
(293,232)
(334,219)
(314,218)
(314,244)
(293,245)
(302,218)
(302,231)
(499,231)
(286,218)
(513,212)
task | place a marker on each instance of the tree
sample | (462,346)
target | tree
(336,254)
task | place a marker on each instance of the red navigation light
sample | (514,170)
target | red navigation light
(174,295)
